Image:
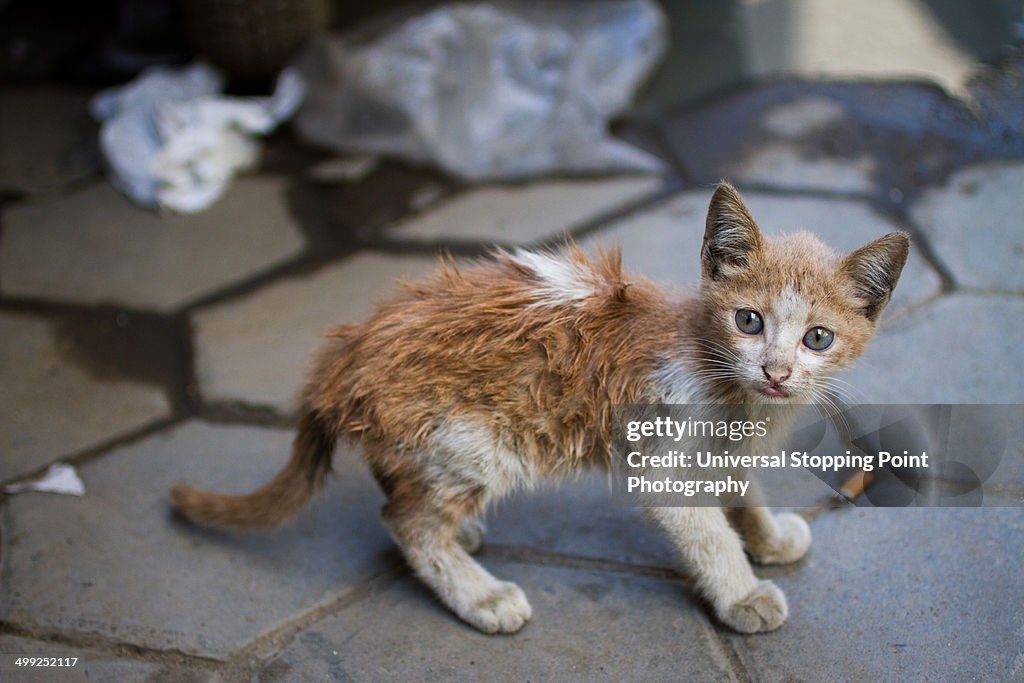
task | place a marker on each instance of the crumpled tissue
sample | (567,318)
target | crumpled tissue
(172,140)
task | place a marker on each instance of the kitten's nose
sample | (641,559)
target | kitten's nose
(777,376)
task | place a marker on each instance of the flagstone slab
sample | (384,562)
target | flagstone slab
(52,407)
(900,594)
(520,214)
(47,139)
(117,563)
(255,349)
(94,246)
(960,349)
(586,625)
(90,666)
(974,224)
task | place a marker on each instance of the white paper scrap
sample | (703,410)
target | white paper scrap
(59,478)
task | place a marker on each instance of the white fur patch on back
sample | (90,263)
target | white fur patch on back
(561,280)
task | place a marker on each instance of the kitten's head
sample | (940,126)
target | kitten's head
(782,314)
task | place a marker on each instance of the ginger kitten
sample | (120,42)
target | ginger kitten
(490,377)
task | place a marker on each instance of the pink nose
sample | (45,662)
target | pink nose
(777,375)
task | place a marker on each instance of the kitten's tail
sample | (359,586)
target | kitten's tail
(278,499)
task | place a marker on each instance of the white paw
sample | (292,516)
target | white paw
(763,609)
(791,543)
(502,610)
(471,535)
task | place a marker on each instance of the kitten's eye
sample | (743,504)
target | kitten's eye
(748,321)
(819,338)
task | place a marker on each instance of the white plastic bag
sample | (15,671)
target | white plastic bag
(498,90)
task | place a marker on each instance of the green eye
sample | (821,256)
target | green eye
(748,321)
(819,338)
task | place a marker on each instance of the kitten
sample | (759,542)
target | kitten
(488,378)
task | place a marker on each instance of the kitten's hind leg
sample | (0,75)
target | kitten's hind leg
(713,552)
(770,538)
(427,531)
(471,534)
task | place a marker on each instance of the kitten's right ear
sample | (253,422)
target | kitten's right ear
(730,234)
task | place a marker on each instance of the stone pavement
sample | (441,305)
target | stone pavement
(149,349)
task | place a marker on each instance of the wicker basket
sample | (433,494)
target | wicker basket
(253,39)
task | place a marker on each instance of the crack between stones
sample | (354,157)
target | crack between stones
(908,310)
(307,261)
(526,555)
(805,192)
(732,656)
(239,665)
(983,291)
(659,131)
(87,455)
(246,662)
(100,644)
(899,215)
(476,248)
(671,185)
(304,263)
(531,556)
(243,413)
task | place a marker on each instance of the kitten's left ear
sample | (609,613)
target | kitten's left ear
(874,270)
(730,234)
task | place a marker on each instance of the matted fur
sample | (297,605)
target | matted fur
(488,377)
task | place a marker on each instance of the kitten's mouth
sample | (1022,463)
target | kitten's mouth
(774,391)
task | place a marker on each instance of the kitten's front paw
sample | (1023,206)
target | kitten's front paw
(792,542)
(763,609)
(502,610)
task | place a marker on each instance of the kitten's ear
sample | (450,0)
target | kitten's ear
(730,235)
(874,270)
